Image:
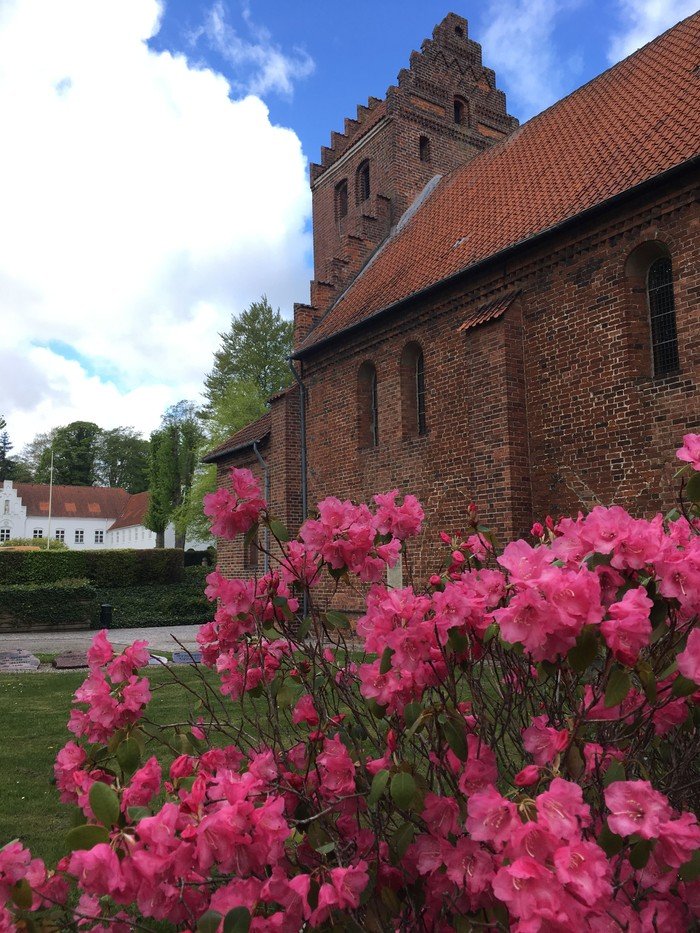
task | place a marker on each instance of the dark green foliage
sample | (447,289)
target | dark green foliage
(117,568)
(75,453)
(122,460)
(66,603)
(176,604)
(5,448)
(255,349)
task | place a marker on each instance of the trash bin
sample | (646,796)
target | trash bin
(105,616)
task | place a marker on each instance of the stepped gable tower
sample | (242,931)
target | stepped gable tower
(444,110)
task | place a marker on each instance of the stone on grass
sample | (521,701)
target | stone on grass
(70,660)
(187,657)
(17,661)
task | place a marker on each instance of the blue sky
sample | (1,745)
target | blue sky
(154,168)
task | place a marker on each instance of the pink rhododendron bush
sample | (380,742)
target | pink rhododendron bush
(513,745)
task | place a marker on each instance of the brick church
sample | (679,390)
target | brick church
(501,314)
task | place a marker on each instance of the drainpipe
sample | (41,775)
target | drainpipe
(302,439)
(266,474)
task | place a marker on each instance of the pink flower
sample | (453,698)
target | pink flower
(689,660)
(544,742)
(235,512)
(529,775)
(401,521)
(130,660)
(98,870)
(527,888)
(690,451)
(597,757)
(336,768)
(305,711)
(143,786)
(491,817)
(678,839)
(69,760)
(342,893)
(441,814)
(468,865)
(562,810)
(584,868)
(628,629)
(100,651)
(635,807)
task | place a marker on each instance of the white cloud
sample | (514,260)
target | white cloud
(141,206)
(265,65)
(643,20)
(518,43)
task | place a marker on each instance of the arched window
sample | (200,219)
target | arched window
(460,111)
(367,409)
(662,316)
(362,187)
(341,199)
(413,391)
(424,148)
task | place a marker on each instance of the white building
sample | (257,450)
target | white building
(81,516)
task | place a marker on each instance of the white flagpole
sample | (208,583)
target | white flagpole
(48,534)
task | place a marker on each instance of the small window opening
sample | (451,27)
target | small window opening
(363,186)
(341,199)
(251,555)
(662,316)
(413,391)
(424,149)
(460,111)
(459,32)
(367,406)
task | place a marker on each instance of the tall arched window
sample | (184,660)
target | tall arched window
(424,148)
(367,409)
(413,391)
(362,186)
(341,199)
(662,316)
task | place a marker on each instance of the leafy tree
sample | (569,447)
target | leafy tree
(6,463)
(172,460)
(241,403)
(75,453)
(253,350)
(31,454)
(122,459)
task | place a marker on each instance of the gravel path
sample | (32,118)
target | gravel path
(159,639)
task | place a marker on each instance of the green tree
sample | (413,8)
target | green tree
(122,459)
(241,403)
(254,349)
(75,453)
(172,460)
(6,463)
(31,454)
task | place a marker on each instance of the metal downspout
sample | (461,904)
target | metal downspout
(266,474)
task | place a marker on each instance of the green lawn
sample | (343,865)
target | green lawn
(34,711)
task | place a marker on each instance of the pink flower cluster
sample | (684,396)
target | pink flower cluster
(237,509)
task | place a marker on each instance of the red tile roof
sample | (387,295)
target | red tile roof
(489,312)
(630,124)
(252,433)
(133,513)
(72,501)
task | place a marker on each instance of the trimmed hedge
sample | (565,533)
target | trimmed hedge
(101,568)
(67,604)
(174,604)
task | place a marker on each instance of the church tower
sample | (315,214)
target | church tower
(444,110)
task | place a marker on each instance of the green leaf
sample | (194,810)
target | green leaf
(585,650)
(379,782)
(337,619)
(403,790)
(304,628)
(691,870)
(401,840)
(385,663)
(647,680)
(378,711)
(209,922)
(692,488)
(326,848)
(250,536)
(458,641)
(618,686)
(615,772)
(411,712)
(104,803)
(138,813)
(279,530)
(237,920)
(87,836)
(609,841)
(129,755)
(286,695)
(455,733)
(21,894)
(683,687)
(639,854)
(490,633)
